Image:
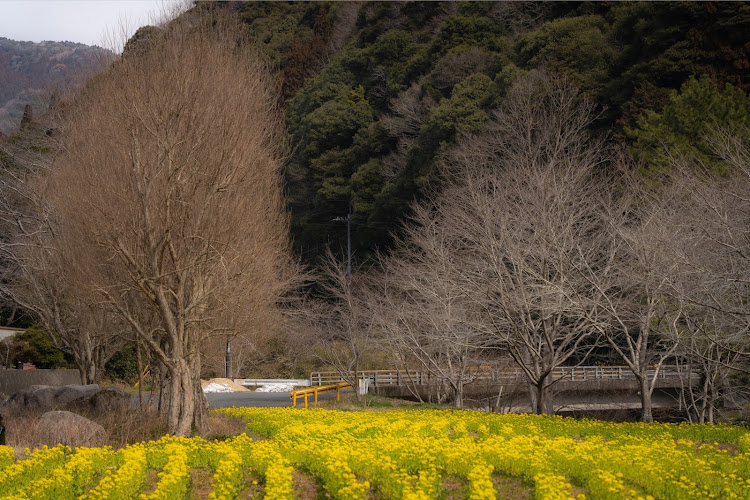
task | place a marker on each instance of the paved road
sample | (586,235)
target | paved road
(253,399)
(229,399)
(258,399)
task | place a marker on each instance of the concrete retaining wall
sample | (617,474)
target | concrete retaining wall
(12,381)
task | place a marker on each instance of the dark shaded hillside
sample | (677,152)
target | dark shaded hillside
(29,70)
(377,94)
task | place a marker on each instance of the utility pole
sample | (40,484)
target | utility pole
(349,244)
(228,361)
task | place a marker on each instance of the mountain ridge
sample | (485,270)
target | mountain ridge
(31,71)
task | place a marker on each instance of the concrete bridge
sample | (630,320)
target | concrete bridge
(575,389)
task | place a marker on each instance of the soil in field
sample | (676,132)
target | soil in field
(201,483)
(510,488)
(304,486)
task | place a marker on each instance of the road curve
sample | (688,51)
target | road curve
(259,399)
(256,399)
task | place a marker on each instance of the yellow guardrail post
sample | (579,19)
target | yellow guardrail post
(146,373)
(316,390)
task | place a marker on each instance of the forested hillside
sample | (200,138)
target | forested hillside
(376,94)
(29,71)
(537,184)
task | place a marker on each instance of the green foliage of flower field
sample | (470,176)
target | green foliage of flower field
(401,454)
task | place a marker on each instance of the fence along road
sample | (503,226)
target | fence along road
(381,378)
(573,374)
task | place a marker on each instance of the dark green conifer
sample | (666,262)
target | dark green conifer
(28,116)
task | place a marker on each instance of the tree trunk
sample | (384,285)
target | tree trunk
(187,405)
(713,397)
(172,397)
(186,400)
(541,398)
(356,376)
(91,373)
(162,399)
(139,362)
(181,399)
(200,410)
(459,394)
(86,368)
(646,413)
(86,358)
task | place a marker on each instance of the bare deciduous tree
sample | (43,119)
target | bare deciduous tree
(425,310)
(638,295)
(526,207)
(169,198)
(511,253)
(342,318)
(458,65)
(681,280)
(712,285)
(411,110)
(707,344)
(32,274)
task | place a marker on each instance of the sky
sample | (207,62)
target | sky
(84,21)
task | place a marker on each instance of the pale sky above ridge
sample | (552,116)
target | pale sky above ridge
(84,21)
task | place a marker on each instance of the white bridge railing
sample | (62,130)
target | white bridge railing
(252,382)
(571,373)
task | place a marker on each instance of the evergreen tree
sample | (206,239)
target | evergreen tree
(27,118)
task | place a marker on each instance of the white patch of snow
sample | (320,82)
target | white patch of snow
(213,387)
(275,388)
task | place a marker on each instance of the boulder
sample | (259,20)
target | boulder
(64,427)
(42,398)
(109,399)
(76,394)
(36,397)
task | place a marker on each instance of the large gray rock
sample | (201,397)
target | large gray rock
(109,399)
(64,427)
(67,394)
(36,397)
(42,398)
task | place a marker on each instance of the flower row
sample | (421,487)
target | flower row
(414,454)
(401,455)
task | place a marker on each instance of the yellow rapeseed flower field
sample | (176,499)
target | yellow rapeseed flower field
(402,454)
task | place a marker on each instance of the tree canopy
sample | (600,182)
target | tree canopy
(374,113)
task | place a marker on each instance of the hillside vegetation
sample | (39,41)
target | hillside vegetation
(29,71)
(526,186)
(377,94)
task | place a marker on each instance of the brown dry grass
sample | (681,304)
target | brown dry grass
(201,483)
(252,489)
(132,426)
(511,488)
(123,427)
(219,425)
(454,488)
(370,402)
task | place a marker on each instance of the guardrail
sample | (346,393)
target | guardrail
(571,373)
(266,381)
(318,389)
